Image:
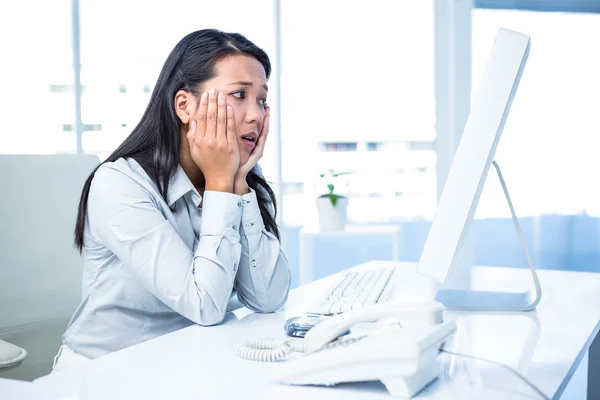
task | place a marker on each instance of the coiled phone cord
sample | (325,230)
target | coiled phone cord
(269,349)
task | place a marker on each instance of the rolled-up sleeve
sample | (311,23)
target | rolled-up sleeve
(263,278)
(124,217)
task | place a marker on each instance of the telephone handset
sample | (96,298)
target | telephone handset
(407,314)
(403,355)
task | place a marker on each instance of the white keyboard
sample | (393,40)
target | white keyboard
(356,290)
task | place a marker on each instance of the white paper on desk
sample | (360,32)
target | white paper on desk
(242,312)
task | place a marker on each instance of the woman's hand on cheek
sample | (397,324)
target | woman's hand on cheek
(213,142)
(257,152)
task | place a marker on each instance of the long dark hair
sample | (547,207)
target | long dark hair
(155,142)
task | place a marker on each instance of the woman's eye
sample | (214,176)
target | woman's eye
(241,95)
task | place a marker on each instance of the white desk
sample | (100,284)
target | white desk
(14,389)
(309,233)
(199,362)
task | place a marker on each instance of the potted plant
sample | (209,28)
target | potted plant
(331,205)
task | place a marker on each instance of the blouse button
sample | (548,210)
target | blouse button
(253,263)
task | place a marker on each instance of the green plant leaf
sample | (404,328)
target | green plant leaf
(341,173)
(331,188)
(333,198)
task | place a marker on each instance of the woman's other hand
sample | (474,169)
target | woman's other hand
(257,152)
(213,142)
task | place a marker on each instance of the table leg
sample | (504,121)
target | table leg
(396,247)
(593,383)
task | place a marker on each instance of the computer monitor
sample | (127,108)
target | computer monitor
(465,181)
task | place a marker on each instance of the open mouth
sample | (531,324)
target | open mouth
(249,139)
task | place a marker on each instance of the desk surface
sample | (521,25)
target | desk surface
(546,346)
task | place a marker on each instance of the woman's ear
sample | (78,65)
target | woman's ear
(185,106)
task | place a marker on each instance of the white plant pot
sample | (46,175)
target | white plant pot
(332,218)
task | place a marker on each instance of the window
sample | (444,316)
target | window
(353,96)
(86,127)
(63,89)
(548,151)
(37,77)
(338,146)
(373,146)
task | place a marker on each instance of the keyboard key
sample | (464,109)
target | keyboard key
(371,284)
(346,306)
(358,285)
(337,293)
(359,303)
(322,309)
(336,308)
(378,288)
(389,288)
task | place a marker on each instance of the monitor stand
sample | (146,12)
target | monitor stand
(496,301)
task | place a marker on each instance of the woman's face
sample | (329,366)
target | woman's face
(243,82)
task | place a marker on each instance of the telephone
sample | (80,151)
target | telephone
(402,355)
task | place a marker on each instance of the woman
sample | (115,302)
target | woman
(179,216)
